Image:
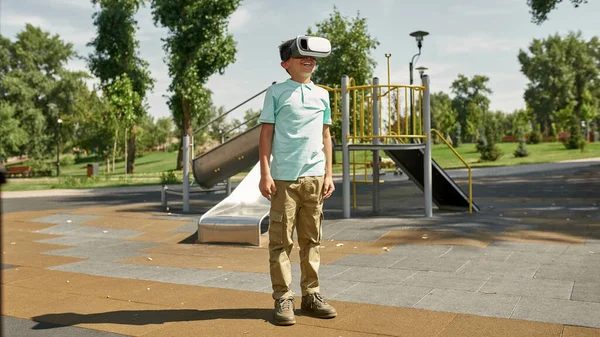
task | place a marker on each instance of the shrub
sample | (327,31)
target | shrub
(67,159)
(575,140)
(456,134)
(481,143)
(490,152)
(168,178)
(522,149)
(535,137)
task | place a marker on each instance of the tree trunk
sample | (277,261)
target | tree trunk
(107,168)
(186,129)
(131,154)
(114,154)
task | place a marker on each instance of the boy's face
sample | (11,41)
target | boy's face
(300,67)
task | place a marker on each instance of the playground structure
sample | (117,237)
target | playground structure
(404,133)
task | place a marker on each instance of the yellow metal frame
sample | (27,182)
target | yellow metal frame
(464,162)
(396,125)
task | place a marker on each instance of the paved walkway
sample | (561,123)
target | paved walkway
(527,265)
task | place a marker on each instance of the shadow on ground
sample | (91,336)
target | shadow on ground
(145,317)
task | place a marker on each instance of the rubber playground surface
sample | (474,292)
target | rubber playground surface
(527,265)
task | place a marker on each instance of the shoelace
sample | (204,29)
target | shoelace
(319,298)
(285,304)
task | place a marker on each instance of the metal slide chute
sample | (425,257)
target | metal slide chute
(446,193)
(237,218)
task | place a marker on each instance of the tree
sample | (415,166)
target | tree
(443,116)
(562,71)
(470,102)
(251,117)
(116,53)
(33,75)
(12,136)
(163,130)
(351,46)
(124,101)
(197,45)
(540,9)
(522,149)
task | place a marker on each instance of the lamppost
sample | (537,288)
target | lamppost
(52,107)
(421,71)
(418,35)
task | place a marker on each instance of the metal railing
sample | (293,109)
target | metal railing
(463,161)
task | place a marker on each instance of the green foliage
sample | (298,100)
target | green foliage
(251,117)
(456,135)
(563,73)
(168,178)
(124,100)
(12,135)
(33,75)
(67,159)
(540,9)
(482,143)
(443,116)
(470,102)
(351,48)
(116,56)
(575,140)
(522,149)
(197,45)
(490,152)
(535,136)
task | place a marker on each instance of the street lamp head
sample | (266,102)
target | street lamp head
(421,70)
(419,35)
(59,121)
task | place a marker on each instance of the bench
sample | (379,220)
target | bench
(23,171)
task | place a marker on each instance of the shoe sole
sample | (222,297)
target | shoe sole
(286,323)
(311,314)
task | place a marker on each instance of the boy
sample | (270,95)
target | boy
(295,131)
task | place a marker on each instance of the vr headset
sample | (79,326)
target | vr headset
(310,46)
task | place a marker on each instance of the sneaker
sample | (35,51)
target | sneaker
(316,306)
(284,311)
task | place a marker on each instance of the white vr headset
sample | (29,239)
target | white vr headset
(310,46)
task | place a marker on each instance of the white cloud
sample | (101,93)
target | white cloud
(478,43)
(18,21)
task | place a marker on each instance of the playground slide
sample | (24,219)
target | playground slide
(226,160)
(446,193)
(237,218)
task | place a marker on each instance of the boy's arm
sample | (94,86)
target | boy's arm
(328,186)
(265,143)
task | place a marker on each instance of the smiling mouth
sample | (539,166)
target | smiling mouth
(307,64)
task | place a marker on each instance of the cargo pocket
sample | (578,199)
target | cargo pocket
(276,227)
(321,218)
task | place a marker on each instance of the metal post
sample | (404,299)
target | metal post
(412,108)
(58,148)
(345,149)
(186,173)
(427,155)
(376,141)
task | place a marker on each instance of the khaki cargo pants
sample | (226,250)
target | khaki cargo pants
(296,204)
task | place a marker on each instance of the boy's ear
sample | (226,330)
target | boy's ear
(285,65)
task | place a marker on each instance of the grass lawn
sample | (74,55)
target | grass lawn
(149,167)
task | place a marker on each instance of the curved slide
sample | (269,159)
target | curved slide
(237,218)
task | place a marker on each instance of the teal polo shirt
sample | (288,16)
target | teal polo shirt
(299,112)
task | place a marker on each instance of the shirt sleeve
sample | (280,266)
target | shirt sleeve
(268,111)
(327,112)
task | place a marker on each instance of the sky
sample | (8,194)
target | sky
(466,37)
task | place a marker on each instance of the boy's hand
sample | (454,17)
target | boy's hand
(328,187)
(267,187)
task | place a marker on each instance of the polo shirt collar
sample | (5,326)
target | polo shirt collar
(297,84)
